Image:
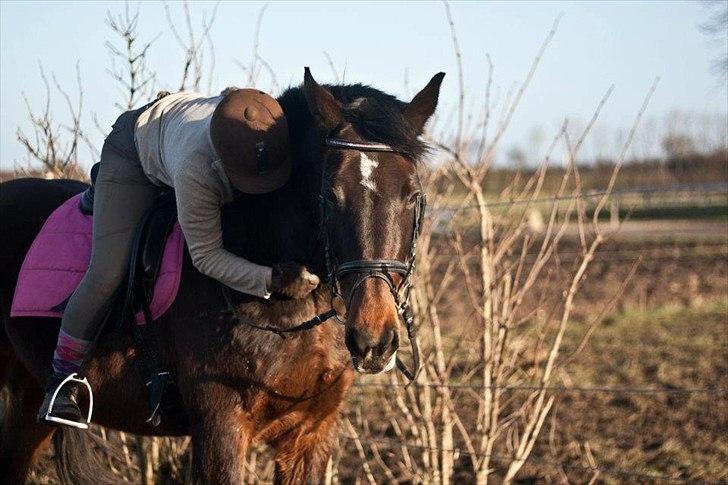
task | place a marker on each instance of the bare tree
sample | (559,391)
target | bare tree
(517,157)
(257,63)
(196,45)
(678,145)
(459,407)
(334,71)
(129,62)
(55,145)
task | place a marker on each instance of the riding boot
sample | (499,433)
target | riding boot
(60,405)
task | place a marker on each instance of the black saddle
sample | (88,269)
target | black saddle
(135,296)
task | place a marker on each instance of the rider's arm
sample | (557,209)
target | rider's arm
(198,208)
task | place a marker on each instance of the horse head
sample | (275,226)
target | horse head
(371,201)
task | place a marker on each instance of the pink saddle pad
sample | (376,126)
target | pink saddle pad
(59,256)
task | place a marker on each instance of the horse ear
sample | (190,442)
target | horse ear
(321,102)
(424,103)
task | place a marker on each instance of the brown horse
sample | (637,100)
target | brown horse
(242,384)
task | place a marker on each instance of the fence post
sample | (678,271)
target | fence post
(614,214)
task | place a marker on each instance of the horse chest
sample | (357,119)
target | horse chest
(293,381)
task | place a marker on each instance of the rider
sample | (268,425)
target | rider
(208,149)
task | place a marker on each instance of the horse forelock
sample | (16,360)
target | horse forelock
(374,114)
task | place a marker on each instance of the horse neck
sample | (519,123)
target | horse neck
(277,227)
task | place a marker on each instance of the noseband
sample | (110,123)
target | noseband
(375,268)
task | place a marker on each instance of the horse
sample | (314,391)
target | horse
(239,384)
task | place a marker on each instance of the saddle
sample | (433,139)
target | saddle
(135,296)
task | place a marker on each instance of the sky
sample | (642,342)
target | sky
(627,44)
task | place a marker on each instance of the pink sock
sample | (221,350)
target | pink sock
(70,353)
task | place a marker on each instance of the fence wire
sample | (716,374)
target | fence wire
(553,389)
(721,189)
(669,253)
(670,247)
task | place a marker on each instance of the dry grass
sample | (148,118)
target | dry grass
(677,435)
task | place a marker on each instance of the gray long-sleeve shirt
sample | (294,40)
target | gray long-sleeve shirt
(173,140)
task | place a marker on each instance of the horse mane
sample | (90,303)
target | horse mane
(376,115)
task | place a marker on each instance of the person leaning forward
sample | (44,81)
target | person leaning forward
(207,149)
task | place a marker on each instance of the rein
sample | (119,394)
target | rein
(365,268)
(281,332)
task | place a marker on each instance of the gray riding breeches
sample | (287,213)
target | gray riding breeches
(122,194)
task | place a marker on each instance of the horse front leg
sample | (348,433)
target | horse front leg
(302,454)
(219,443)
(22,440)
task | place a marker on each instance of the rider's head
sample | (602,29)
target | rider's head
(250,135)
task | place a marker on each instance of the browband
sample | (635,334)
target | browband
(363,146)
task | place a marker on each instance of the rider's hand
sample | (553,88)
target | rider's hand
(293,279)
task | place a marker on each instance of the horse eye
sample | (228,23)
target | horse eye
(335,197)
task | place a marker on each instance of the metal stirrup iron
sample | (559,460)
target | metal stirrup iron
(81,425)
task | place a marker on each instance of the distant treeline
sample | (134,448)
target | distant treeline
(689,169)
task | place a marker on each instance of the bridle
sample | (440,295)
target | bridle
(365,268)
(374,268)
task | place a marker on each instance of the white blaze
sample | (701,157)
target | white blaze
(367,166)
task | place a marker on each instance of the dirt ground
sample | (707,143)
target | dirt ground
(665,434)
(632,437)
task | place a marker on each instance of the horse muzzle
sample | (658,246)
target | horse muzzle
(369,356)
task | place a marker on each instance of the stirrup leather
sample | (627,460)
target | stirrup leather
(157,387)
(72,378)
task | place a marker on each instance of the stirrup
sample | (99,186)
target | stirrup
(81,425)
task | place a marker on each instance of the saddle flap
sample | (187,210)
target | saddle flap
(147,252)
(153,242)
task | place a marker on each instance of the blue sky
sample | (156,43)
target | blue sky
(598,44)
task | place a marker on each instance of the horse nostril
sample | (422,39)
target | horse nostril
(364,347)
(359,342)
(390,340)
